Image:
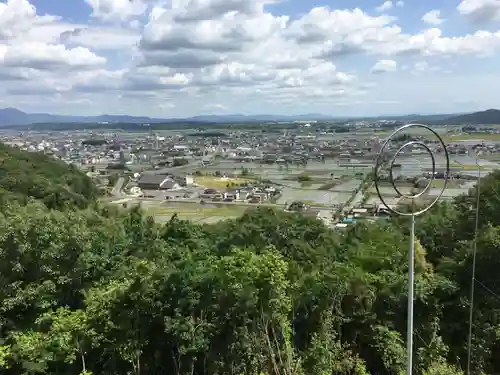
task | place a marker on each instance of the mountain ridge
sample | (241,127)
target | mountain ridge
(13,117)
(488,117)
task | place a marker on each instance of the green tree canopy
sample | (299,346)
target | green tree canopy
(96,290)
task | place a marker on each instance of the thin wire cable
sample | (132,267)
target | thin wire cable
(488,289)
(473,277)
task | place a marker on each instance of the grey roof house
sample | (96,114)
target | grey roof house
(156,182)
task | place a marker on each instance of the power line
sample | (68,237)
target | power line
(488,289)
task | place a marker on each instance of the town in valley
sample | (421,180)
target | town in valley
(321,169)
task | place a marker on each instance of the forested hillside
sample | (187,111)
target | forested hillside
(95,291)
(488,117)
(30,174)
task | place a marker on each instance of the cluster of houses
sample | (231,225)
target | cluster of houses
(251,194)
(181,187)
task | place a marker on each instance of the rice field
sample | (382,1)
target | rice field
(276,172)
(319,197)
(318,192)
(195,212)
(472,137)
(219,182)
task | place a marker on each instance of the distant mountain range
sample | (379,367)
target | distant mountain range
(488,117)
(12,117)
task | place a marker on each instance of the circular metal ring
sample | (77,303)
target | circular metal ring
(391,177)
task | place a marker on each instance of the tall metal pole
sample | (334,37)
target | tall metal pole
(411,284)
(473,277)
(413,214)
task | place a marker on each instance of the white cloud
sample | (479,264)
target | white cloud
(355,32)
(420,66)
(384,66)
(480,10)
(385,6)
(116,10)
(30,41)
(18,16)
(240,49)
(183,35)
(182,54)
(216,106)
(400,4)
(424,67)
(101,37)
(433,17)
(42,56)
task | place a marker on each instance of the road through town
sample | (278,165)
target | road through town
(117,188)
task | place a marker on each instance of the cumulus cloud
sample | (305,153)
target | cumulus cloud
(101,37)
(18,16)
(237,52)
(385,6)
(121,10)
(42,56)
(384,66)
(20,45)
(355,32)
(480,10)
(423,67)
(433,17)
(182,31)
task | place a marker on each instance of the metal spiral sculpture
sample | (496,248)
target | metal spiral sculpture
(412,214)
(411,197)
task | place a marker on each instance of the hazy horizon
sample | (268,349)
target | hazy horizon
(229,114)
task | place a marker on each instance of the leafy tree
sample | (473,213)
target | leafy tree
(180,161)
(31,174)
(87,288)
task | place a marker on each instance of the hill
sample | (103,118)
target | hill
(488,117)
(29,174)
(417,117)
(14,117)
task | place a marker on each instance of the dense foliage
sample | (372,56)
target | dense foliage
(98,291)
(31,174)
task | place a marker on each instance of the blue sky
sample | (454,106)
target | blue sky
(180,58)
